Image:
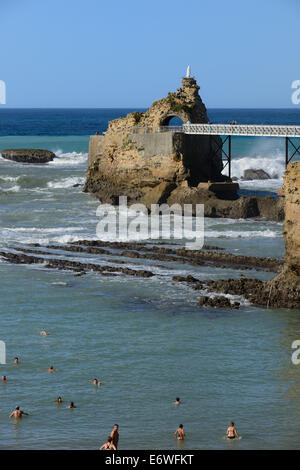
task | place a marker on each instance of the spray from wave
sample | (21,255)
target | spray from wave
(66,182)
(69,158)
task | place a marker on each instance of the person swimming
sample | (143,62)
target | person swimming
(72,405)
(16,360)
(231,432)
(109,445)
(3,379)
(179,433)
(97,382)
(44,333)
(177,401)
(58,400)
(18,413)
(51,369)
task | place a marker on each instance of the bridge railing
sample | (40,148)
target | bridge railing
(244,129)
(225,129)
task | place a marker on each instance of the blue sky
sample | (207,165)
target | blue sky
(94,53)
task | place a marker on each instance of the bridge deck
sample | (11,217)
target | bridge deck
(243,130)
(228,130)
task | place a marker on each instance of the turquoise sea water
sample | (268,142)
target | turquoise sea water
(145,339)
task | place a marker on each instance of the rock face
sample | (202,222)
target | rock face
(250,175)
(28,155)
(141,158)
(138,159)
(217,302)
(291,191)
(284,290)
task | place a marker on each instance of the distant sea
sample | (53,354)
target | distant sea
(87,121)
(146,339)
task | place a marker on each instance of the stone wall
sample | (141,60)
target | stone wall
(140,162)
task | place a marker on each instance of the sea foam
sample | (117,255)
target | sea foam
(69,158)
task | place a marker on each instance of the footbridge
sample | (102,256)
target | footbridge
(226,131)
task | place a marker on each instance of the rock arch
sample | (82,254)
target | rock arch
(167,118)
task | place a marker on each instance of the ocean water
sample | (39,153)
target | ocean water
(146,339)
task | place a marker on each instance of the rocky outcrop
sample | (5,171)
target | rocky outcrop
(219,204)
(28,155)
(137,158)
(219,301)
(284,290)
(291,191)
(250,175)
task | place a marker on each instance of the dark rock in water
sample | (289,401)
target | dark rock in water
(219,302)
(250,175)
(28,155)
(281,292)
(188,278)
(244,208)
(270,208)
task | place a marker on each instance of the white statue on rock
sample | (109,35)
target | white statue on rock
(188,72)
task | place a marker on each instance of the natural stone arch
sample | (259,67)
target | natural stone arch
(167,118)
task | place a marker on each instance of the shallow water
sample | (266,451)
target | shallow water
(146,339)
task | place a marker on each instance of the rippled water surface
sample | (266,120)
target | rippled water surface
(146,339)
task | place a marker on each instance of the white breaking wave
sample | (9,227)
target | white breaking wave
(66,182)
(72,238)
(245,234)
(10,178)
(13,189)
(40,235)
(43,230)
(266,185)
(274,165)
(69,158)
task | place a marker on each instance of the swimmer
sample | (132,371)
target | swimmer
(177,401)
(4,378)
(115,435)
(18,413)
(72,405)
(16,360)
(58,400)
(44,333)
(179,433)
(97,382)
(231,432)
(109,445)
(51,369)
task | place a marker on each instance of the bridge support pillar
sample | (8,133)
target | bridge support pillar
(229,156)
(226,157)
(296,150)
